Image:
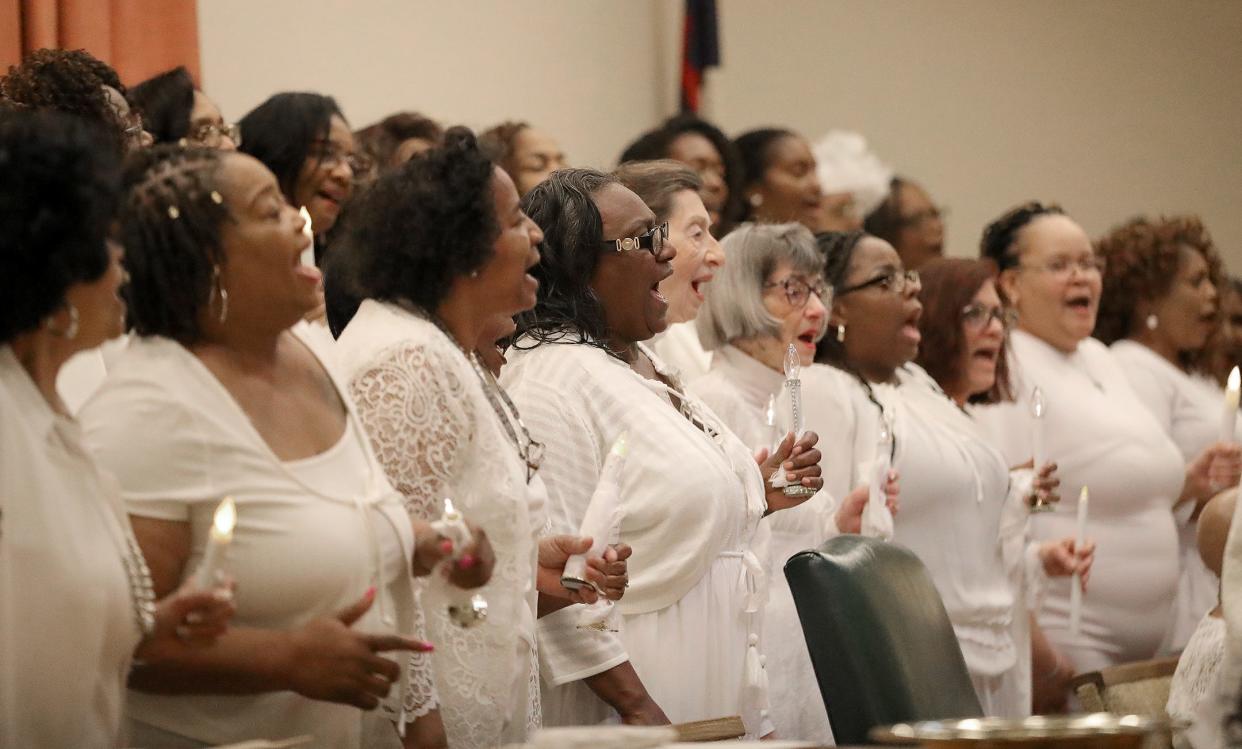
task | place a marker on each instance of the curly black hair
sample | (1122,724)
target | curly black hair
(1001,236)
(66,80)
(165,102)
(572,227)
(59,188)
(170,227)
(656,144)
(1143,257)
(424,224)
(281,132)
(754,152)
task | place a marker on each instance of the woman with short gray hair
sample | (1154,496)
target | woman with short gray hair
(770,296)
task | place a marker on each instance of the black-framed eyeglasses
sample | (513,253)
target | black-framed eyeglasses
(894,281)
(798,290)
(978,316)
(652,241)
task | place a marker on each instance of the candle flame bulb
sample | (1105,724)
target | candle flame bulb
(1235,383)
(793,363)
(223,522)
(1037,403)
(451,514)
(308,227)
(1229,418)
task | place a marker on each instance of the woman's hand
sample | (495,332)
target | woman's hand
(608,575)
(330,661)
(799,460)
(472,567)
(1045,485)
(192,616)
(1215,469)
(849,514)
(1061,559)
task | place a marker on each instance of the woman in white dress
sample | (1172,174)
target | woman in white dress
(692,493)
(442,250)
(954,484)
(76,600)
(769,296)
(216,396)
(963,350)
(1158,312)
(1099,436)
(673,192)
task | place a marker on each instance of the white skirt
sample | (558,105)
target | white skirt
(691,656)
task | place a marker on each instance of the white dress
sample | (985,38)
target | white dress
(437,436)
(679,348)
(692,505)
(1100,436)
(1198,669)
(955,487)
(737,388)
(1188,408)
(311,536)
(67,621)
(85,371)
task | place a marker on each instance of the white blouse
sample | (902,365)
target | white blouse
(738,388)
(680,349)
(1100,436)
(67,619)
(178,443)
(691,510)
(437,435)
(1188,408)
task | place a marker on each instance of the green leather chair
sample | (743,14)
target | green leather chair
(883,648)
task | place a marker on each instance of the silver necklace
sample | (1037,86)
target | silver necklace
(530,451)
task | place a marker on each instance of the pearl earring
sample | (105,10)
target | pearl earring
(840,334)
(756,200)
(1153,322)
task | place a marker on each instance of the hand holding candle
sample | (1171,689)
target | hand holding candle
(1039,407)
(218,540)
(465,610)
(1076,581)
(603,516)
(793,382)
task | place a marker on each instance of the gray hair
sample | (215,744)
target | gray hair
(733,309)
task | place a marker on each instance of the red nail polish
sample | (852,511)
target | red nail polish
(426,647)
(446,547)
(467,561)
(370,592)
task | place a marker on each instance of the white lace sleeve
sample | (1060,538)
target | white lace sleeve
(413,408)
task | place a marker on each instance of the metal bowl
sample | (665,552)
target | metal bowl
(1093,730)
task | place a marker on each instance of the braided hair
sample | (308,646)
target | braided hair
(1001,236)
(170,226)
(572,227)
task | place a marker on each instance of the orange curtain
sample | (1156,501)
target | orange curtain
(137,37)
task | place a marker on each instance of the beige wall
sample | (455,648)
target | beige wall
(1111,107)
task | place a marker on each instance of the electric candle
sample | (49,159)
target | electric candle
(218,540)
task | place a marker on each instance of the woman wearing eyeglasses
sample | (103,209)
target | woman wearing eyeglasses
(175,111)
(769,296)
(963,350)
(1160,309)
(1099,434)
(954,485)
(306,142)
(693,495)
